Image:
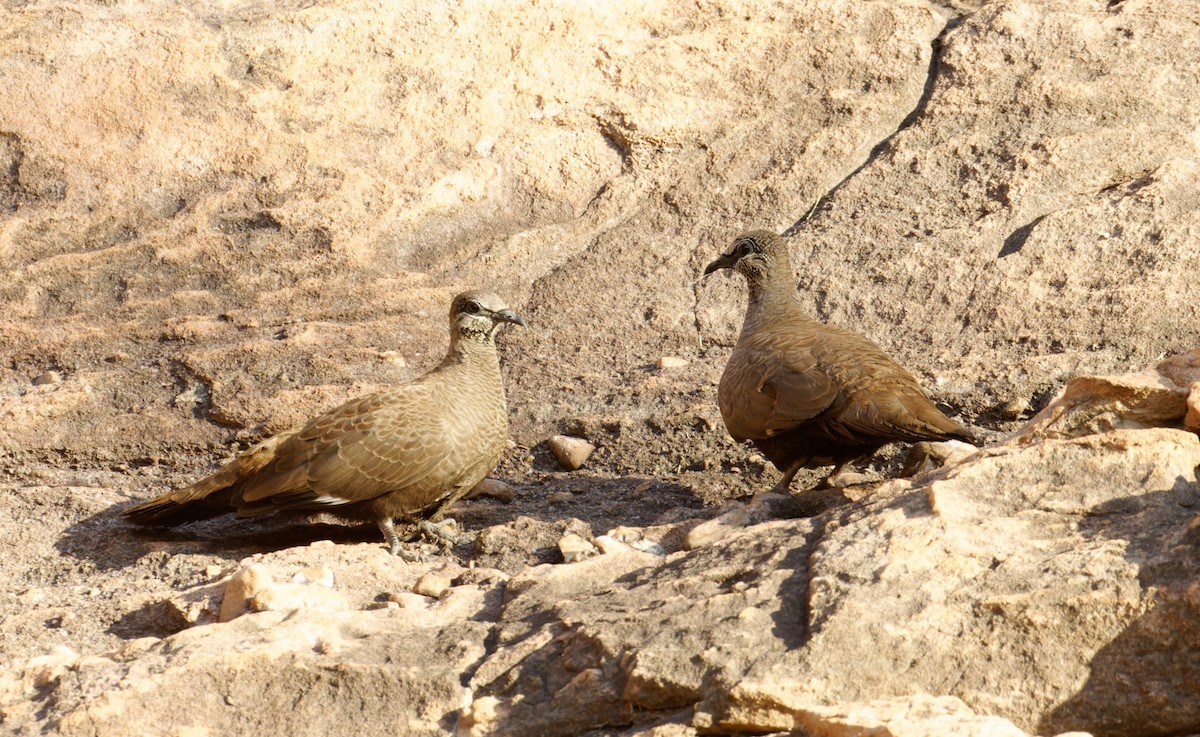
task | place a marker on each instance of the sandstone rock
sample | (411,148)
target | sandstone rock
(1155,397)
(254,589)
(610,545)
(571,452)
(575,548)
(48,377)
(983,585)
(760,509)
(290,597)
(409,600)
(923,456)
(1191,421)
(981,562)
(770,707)
(319,575)
(241,588)
(493,488)
(671,362)
(646,539)
(432,584)
(402,663)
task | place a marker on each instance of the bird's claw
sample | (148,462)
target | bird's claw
(437,532)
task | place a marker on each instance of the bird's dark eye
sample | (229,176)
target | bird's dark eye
(471,308)
(743,249)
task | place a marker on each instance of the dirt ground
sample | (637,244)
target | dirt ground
(79,575)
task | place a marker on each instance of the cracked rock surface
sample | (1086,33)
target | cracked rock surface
(219,220)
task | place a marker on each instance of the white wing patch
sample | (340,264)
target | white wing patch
(332,501)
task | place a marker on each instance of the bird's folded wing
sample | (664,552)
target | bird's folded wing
(895,411)
(772,391)
(355,453)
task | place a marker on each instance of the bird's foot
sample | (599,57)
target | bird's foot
(395,546)
(784,485)
(399,551)
(438,532)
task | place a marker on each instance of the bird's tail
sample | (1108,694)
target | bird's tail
(212,495)
(206,498)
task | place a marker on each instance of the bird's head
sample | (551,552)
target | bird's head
(753,255)
(480,315)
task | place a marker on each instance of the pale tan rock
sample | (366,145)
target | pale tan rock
(1154,397)
(493,488)
(48,377)
(718,528)
(43,671)
(479,717)
(319,575)
(739,516)
(241,588)
(924,456)
(671,362)
(647,540)
(433,584)
(766,707)
(575,548)
(1191,420)
(916,575)
(283,597)
(610,545)
(571,452)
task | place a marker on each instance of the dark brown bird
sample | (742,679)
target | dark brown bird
(405,452)
(809,394)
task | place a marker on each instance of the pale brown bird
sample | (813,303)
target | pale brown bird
(405,452)
(809,394)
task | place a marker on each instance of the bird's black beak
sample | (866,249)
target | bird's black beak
(510,316)
(726,261)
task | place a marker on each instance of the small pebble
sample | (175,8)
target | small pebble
(610,545)
(242,587)
(671,362)
(432,584)
(571,452)
(493,488)
(575,548)
(49,377)
(1014,408)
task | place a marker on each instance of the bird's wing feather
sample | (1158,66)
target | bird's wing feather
(367,447)
(768,390)
(897,410)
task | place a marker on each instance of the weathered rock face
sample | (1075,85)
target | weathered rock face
(252,209)
(216,221)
